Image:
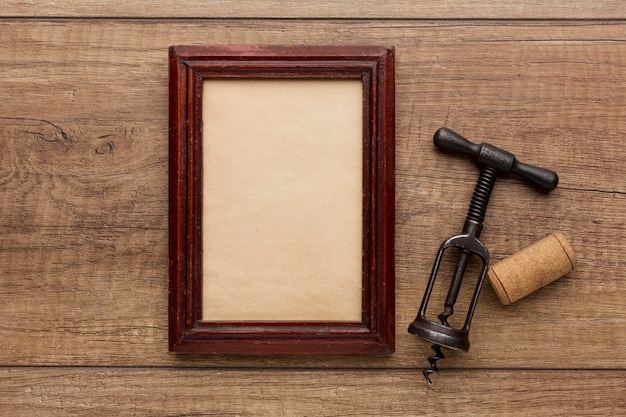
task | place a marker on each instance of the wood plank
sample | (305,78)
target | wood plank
(156,392)
(324,9)
(100,296)
(84,175)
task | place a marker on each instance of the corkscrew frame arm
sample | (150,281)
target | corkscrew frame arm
(443,334)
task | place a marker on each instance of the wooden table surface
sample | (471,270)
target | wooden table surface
(83,217)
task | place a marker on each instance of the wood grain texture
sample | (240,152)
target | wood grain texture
(199,392)
(83,219)
(323,9)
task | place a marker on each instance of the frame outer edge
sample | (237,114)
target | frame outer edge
(187,340)
(176,185)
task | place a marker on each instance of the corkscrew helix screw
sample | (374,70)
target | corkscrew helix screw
(493,162)
(432,360)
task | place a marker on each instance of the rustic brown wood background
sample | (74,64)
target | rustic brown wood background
(83,213)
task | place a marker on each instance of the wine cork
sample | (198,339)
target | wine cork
(532,268)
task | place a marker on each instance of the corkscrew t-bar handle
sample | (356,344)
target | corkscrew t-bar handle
(502,161)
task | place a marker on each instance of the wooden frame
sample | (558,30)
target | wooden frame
(189,331)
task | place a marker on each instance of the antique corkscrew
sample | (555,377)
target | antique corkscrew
(493,162)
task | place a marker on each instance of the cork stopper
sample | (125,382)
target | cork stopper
(532,268)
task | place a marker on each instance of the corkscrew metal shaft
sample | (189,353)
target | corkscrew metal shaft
(493,161)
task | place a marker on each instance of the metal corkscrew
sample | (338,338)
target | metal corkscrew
(493,162)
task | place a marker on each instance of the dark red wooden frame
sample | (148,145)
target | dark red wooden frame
(189,66)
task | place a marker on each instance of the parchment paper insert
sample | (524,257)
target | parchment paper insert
(282,199)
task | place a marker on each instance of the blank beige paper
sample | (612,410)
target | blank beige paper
(282,199)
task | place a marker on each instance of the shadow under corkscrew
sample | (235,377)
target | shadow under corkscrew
(433,363)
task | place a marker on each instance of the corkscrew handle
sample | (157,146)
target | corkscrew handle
(502,161)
